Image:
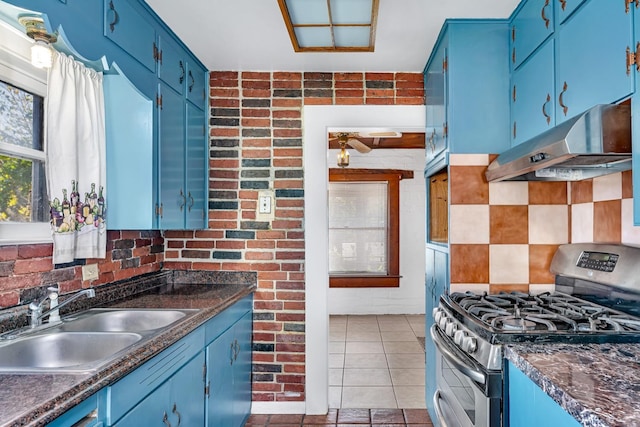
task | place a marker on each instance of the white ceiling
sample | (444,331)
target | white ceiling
(251,34)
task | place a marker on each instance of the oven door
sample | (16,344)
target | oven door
(467,395)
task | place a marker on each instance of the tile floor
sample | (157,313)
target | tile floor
(376,361)
(347,418)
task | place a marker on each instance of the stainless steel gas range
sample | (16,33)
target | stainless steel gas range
(597,299)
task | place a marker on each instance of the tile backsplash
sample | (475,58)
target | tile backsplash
(503,235)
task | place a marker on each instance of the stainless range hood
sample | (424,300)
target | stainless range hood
(595,143)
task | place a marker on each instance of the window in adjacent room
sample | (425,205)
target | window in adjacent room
(364,227)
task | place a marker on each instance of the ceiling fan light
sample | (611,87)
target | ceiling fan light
(343,157)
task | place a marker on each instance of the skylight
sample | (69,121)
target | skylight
(331,25)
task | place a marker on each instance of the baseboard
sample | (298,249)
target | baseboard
(278,407)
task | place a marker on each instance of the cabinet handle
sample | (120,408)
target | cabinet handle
(193,81)
(237,350)
(191,201)
(514,130)
(181,72)
(175,411)
(561,99)
(184,200)
(165,420)
(513,94)
(113,14)
(544,109)
(544,16)
(563,4)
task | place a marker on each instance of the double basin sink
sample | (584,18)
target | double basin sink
(84,342)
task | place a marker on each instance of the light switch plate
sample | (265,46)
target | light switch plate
(265,211)
(90,272)
(264,202)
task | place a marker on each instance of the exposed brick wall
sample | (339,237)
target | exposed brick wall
(256,144)
(25,267)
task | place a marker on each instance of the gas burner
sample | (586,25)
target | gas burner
(513,323)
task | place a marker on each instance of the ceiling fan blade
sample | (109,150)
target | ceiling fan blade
(380,134)
(358,146)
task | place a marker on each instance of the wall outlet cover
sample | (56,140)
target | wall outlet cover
(90,272)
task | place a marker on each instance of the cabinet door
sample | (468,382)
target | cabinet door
(430,360)
(530,26)
(172,64)
(127,27)
(130,169)
(591,69)
(173,198)
(530,406)
(436,100)
(242,370)
(152,411)
(196,168)
(532,96)
(186,394)
(196,85)
(219,402)
(564,8)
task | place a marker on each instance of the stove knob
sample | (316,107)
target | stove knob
(443,321)
(437,315)
(451,328)
(435,311)
(459,337)
(470,345)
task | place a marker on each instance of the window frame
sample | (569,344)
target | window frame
(16,69)
(392,177)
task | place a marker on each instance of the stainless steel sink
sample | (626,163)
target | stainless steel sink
(63,351)
(127,320)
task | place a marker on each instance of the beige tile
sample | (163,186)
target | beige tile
(410,397)
(469,160)
(419,329)
(364,318)
(630,233)
(335,397)
(509,264)
(406,360)
(508,193)
(336,346)
(336,360)
(477,288)
(607,187)
(364,347)
(366,377)
(538,289)
(368,397)
(363,360)
(362,335)
(399,335)
(403,326)
(363,327)
(548,224)
(403,376)
(403,347)
(582,223)
(335,377)
(469,224)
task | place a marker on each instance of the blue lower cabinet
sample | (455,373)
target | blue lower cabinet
(228,400)
(177,402)
(530,406)
(88,413)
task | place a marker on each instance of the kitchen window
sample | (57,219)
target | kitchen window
(24,208)
(364,227)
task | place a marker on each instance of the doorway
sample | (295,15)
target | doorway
(317,121)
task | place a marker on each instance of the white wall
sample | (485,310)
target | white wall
(409,297)
(317,122)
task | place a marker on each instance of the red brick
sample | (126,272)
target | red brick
(287,84)
(224,102)
(286,224)
(256,154)
(289,183)
(209,265)
(379,101)
(349,101)
(35,251)
(255,123)
(224,93)
(262,256)
(261,244)
(283,163)
(286,102)
(223,75)
(414,77)
(209,234)
(255,75)
(34,265)
(267,326)
(256,93)
(8,253)
(379,76)
(318,101)
(287,132)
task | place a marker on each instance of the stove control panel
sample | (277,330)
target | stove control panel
(600,261)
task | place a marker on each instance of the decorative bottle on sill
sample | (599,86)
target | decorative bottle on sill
(75,197)
(101,203)
(66,207)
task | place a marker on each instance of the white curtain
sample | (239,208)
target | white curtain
(76,160)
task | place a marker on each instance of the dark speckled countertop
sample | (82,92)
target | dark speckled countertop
(36,399)
(598,384)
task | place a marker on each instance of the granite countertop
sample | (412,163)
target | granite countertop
(598,384)
(36,399)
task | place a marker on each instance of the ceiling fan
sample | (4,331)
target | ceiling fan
(353,139)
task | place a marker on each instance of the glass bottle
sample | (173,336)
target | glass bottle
(93,197)
(66,207)
(101,203)
(75,197)
(86,208)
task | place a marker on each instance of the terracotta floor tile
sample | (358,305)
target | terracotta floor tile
(329,419)
(286,419)
(416,416)
(387,416)
(353,416)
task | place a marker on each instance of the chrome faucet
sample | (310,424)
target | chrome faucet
(35,308)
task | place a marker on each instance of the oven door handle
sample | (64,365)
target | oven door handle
(442,420)
(454,359)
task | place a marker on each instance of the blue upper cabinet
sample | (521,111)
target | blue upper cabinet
(591,57)
(531,24)
(532,95)
(172,64)
(197,85)
(131,30)
(466,87)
